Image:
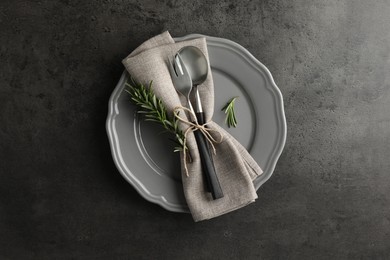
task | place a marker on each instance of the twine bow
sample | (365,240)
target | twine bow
(195,126)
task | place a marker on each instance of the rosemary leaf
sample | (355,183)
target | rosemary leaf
(230,119)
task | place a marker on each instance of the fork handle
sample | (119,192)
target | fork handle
(208,168)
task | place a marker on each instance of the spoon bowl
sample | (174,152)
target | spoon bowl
(196,63)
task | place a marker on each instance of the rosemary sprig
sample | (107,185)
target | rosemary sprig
(230,119)
(154,110)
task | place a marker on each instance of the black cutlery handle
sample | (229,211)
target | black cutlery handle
(208,166)
(201,119)
(212,181)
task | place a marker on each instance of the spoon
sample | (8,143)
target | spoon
(197,66)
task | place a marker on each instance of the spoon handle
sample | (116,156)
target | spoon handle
(208,166)
(211,176)
(200,117)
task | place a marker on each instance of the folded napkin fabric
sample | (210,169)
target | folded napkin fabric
(235,167)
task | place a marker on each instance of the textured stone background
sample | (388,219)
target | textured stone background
(61,196)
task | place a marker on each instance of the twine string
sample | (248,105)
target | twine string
(195,126)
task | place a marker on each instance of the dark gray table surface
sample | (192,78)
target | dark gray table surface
(61,196)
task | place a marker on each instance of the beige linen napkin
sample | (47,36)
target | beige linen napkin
(235,168)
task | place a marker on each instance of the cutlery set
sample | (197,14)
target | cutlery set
(189,69)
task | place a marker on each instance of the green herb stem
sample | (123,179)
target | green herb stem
(154,110)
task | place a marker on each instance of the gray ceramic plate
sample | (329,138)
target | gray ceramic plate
(144,156)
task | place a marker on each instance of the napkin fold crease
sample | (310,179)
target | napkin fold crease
(235,167)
